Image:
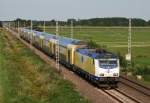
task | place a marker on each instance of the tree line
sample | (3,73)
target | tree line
(114,21)
(1,24)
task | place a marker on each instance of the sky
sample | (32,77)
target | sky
(78,9)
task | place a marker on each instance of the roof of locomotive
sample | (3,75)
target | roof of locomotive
(96,54)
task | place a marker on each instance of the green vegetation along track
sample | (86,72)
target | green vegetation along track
(25,78)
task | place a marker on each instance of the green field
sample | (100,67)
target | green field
(116,35)
(115,39)
(25,78)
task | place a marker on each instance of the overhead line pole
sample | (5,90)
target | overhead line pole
(44,26)
(31,27)
(24,24)
(9,25)
(130,41)
(71,29)
(57,47)
(18,28)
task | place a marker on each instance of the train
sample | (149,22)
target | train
(96,65)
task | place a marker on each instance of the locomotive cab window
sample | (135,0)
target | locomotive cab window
(108,63)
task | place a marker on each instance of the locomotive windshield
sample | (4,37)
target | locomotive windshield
(108,64)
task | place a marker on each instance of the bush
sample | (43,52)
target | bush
(92,44)
(141,70)
(37,28)
(123,62)
(146,70)
(137,70)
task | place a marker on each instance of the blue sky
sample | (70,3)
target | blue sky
(64,9)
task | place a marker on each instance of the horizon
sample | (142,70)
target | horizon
(73,18)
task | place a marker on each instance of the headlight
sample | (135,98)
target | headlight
(115,74)
(102,74)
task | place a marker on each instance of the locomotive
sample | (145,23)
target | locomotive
(98,66)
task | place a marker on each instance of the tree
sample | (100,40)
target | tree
(148,23)
(37,28)
(138,22)
(1,25)
(92,44)
(53,22)
(114,21)
(122,60)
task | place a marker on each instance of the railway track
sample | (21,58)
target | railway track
(120,96)
(138,87)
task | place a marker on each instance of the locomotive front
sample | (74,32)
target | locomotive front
(107,69)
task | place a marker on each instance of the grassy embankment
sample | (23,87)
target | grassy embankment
(25,78)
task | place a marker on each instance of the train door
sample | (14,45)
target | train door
(69,51)
(50,47)
(41,43)
(54,48)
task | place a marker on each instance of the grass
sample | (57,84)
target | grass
(113,37)
(25,78)
(147,78)
(140,55)
(106,34)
